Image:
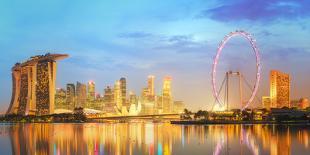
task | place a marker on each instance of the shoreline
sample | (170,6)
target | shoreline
(205,122)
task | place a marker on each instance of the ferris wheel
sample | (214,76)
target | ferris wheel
(252,41)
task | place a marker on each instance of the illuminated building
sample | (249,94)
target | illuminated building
(159,104)
(178,106)
(60,99)
(117,95)
(133,99)
(123,91)
(147,105)
(303,103)
(150,86)
(167,97)
(34,85)
(91,94)
(108,95)
(80,95)
(108,99)
(70,96)
(144,95)
(266,102)
(279,89)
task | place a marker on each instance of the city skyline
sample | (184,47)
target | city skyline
(178,41)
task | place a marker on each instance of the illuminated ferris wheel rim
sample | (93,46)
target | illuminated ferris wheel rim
(216,59)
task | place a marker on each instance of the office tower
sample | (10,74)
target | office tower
(34,85)
(60,99)
(303,103)
(70,96)
(91,94)
(158,104)
(123,91)
(178,107)
(108,99)
(133,99)
(266,102)
(80,95)
(279,89)
(145,94)
(167,96)
(108,96)
(150,86)
(118,95)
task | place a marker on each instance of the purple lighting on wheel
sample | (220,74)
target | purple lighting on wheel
(216,59)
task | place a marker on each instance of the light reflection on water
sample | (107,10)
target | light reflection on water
(152,139)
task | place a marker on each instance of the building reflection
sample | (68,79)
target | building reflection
(155,139)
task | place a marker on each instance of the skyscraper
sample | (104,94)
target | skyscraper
(91,94)
(167,95)
(108,95)
(123,91)
(118,95)
(80,95)
(178,107)
(60,99)
(108,98)
(34,85)
(266,102)
(279,89)
(150,85)
(133,99)
(70,96)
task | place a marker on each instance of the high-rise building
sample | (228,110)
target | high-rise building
(144,94)
(303,103)
(108,95)
(167,95)
(34,85)
(70,96)
(108,98)
(266,102)
(159,104)
(60,99)
(133,99)
(123,91)
(81,95)
(150,86)
(118,95)
(178,107)
(91,92)
(279,89)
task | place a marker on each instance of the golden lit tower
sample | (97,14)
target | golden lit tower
(81,95)
(34,85)
(266,102)
(123,91)
(279,89)
(91,94)
(117,95)
(167,96)
(70,96)
(60,99)
(150,85)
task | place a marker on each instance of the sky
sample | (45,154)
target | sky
(110,39)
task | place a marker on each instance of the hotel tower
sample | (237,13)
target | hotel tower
(33,90)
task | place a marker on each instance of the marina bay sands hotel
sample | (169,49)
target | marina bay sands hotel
(33,90)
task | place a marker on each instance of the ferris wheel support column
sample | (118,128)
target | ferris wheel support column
(240,89)
(227,90)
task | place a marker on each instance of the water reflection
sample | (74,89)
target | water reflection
(153,139)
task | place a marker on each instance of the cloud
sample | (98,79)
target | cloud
(287,55)
(135,35)
(260,10)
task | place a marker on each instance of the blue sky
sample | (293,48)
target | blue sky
(110,39)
